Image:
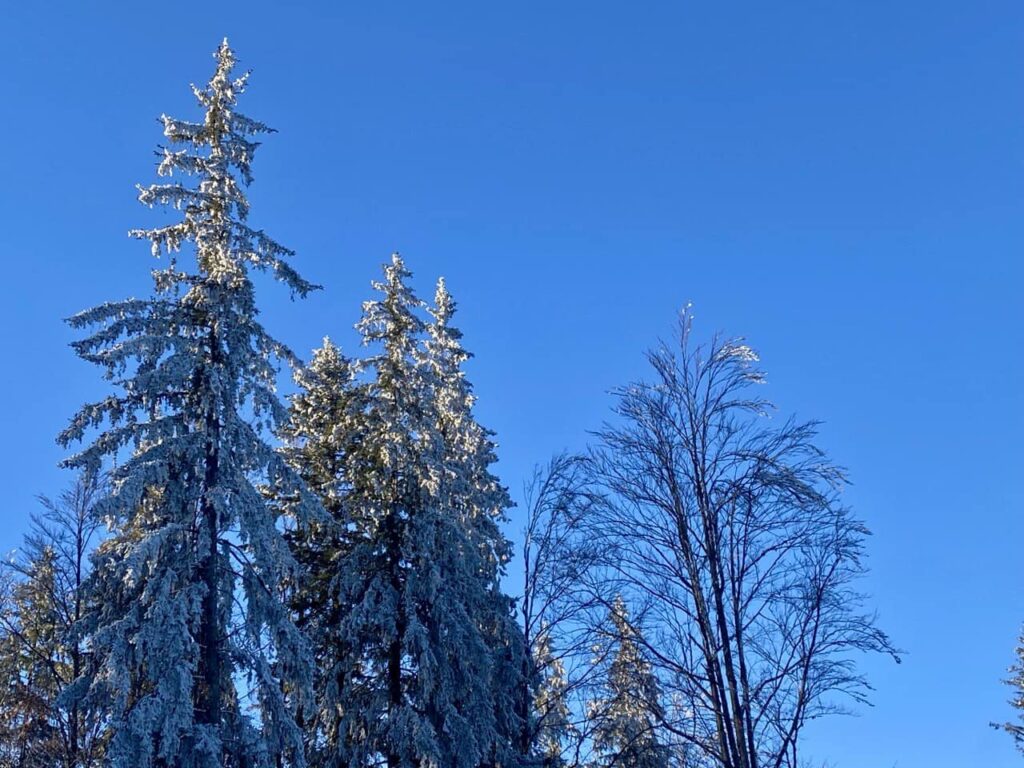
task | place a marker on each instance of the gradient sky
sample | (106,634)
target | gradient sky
(839,182)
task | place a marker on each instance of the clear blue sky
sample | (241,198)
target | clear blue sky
(840,182)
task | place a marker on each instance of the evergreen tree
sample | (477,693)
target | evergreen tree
(552,724)
(324,420)
(626,719)
(43,722)
(1016,682)
(409,666)
(30,650)
(390,479)
(194,642)
(469,490)
(467,487)
(322,439)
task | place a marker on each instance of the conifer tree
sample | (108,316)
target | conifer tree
(553,726)
(626,718)
(469,490)
(322,428)
(322,441)
(30,652)
(390,496)
(43,721)
(324,418)
(1016,682)
(194,641)
(410,666)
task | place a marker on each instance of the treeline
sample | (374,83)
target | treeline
(237,582)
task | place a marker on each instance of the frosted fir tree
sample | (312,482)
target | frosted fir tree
(1016,682)
(195,643)
(322,439)
(625,720)
(552,726)
(324,418)
(414,687)
(468,489)
(389,476)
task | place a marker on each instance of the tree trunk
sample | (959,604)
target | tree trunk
(394,660)
(209,709)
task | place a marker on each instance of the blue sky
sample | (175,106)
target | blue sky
(839,182)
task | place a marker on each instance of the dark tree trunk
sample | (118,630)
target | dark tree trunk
(209,705)
(394,658)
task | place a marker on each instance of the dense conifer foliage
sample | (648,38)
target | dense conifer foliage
(44,720)
(626,716)
(192,639)
(412,633)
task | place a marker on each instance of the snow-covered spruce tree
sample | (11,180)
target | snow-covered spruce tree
(322,438)
(195,643)
(625,720)
(415,589)
(553,728)
(324,417)
(1016,682)
(469,490)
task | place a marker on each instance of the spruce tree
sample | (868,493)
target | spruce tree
(468,488)
(552,726)
(323,423)
(410,668)
(322,442)
(195,644)
(1016,682)
(470,491)
(324,419)
(43,720)
(389,497)
(625,719)
(31,656)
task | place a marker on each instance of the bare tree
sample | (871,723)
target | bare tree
(725,533)
(43,598)
(557,610)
